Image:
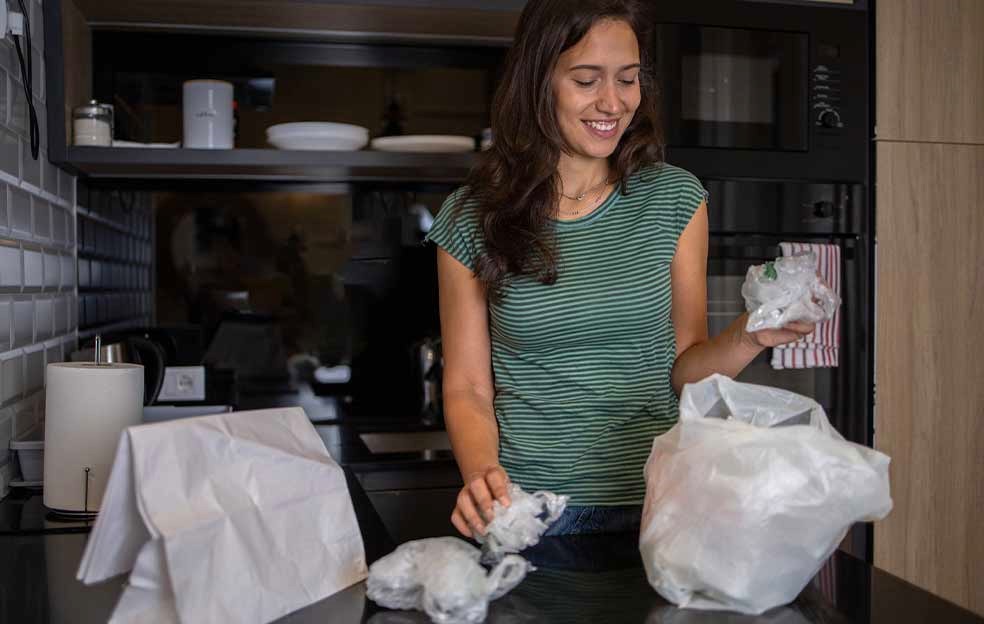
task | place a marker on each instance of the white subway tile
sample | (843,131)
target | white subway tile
(33,269)
(60,305)
(12,371)
(59,225)
(6,434)
(53,352)
(20,213)
(23,322)
(10,266)
(4,221)
(44,319)
(42,218)
(25,417)
(52,270)
(4,106)
(18,106)
(67,271)
(34,369)
(6,321)
(30,168)
(9,152)
(73,312)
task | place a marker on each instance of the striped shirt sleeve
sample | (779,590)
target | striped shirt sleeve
(455,230)
(692,193)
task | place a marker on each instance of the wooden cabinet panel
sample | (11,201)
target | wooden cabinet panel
(930,70)
(930,365)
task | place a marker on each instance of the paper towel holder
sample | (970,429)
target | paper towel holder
(84,417)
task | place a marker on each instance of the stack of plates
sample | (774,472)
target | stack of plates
(317,136)
(424,143)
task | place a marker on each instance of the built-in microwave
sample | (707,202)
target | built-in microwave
(765,88)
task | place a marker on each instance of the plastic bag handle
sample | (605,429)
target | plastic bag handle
(507,574)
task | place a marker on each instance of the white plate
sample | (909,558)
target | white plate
(326,143)
(315,128)
(424,143)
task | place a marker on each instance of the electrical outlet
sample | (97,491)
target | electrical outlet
(183,383)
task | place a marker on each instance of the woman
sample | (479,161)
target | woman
(572,275)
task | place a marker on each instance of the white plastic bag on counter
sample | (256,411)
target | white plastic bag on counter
(786,290)
(520,525)
(442,577)
(749,494)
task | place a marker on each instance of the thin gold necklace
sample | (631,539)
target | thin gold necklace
(580,197)
(574,213)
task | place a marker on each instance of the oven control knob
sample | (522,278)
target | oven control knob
(830,119)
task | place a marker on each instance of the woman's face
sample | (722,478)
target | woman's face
(596,88)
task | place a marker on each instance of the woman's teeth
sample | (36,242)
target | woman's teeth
(603,126)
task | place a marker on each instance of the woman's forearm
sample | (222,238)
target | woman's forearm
(728,353)
(473,431)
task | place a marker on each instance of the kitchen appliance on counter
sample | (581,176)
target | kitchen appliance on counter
(135,349)
(765,88)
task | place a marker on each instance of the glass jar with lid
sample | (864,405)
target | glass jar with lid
(92,124)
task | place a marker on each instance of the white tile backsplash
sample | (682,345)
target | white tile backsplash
(20,214)
(52,270)
(11,275)
(38,304)
(42,218)
(60,313)
(44,318)
(9,152)
(67,271)
(6,320)
(33,269)
(12,371)
(34,369)
(6,434)
(23,323)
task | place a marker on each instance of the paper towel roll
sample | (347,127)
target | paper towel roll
(87,406)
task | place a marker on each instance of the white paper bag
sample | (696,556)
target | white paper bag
(240,517)
(749,494)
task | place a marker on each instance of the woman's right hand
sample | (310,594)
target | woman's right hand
(473,510)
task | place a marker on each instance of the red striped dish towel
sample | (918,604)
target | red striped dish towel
(819,349)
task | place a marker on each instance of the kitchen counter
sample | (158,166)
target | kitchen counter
(578,579)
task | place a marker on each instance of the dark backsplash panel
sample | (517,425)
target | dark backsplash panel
(279,281)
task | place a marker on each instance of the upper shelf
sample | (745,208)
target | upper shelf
(267,165)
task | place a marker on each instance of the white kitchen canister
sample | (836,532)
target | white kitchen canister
(87,407)
(208,114)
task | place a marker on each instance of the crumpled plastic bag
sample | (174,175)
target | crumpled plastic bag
(749,494)
(442,577)
(786,290)
(521,524)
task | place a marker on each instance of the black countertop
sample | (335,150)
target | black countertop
(578,579)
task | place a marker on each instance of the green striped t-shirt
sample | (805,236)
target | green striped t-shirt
(582,367)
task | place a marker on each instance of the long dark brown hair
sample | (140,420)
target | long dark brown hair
(514,185)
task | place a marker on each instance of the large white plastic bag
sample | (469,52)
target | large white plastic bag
(749,494)
(520,525)
(442,577)
(786,290)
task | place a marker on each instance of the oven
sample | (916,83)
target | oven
(748,220)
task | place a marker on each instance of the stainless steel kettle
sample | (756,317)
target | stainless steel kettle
(135,350)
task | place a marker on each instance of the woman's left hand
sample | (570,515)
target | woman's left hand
(768,338)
